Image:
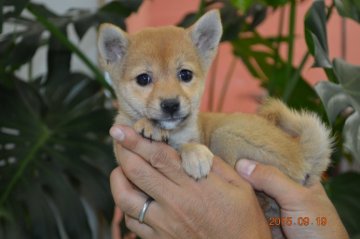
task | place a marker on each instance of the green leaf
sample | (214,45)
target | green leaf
(259,13)
(54,163)
(271,70)
(58,62)
(356,236)
(121,7)
(56,32)
(349,8)
(188,20)
(349,78)
(344,192)
(333,97)
(316,35)
(18,7)
(352,134)
(276,3)
(83,24)
(338,97)
(24,51)
(242,5)
(232,22)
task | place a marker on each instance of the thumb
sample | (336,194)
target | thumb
(269,179)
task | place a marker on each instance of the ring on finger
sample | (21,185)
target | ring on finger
(144,209)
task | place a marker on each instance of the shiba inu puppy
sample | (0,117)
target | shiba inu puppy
(159,75)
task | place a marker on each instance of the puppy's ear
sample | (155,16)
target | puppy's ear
(112,44)
(206,34)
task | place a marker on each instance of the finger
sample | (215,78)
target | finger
(227,173)
(115,225)
(269,180)
(130,200)
(141,229)
(146,178)
(160,156)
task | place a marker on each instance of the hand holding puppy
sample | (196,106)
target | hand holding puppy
(222,206)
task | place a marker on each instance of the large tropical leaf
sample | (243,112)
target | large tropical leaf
(339,97)
(344,192)
(349,8)
(18,47)
(270,69)
(55,160)
(316,35)
(15,7)
(114,12)
(55,154)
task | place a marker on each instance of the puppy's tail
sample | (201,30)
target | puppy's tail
(312,134)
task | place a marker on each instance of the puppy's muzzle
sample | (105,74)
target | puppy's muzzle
(170,106)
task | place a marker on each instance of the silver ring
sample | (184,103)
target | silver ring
(144,209)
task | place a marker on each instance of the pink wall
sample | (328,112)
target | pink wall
(243,89)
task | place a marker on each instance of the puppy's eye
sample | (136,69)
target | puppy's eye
(185,75)
(143,79)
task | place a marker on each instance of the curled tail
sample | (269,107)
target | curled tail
(313,135)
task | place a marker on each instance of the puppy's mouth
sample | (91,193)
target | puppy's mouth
(170,122)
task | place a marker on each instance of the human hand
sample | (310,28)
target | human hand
(221,206)
(309,208)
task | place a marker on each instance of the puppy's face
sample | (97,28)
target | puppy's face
(159,73)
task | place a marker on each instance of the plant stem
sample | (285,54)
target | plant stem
(277,49)
(296,76)
(63,39)
(330,74)
(44,136)
(291,37)
(225,86)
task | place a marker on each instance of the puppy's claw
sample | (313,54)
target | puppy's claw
(165,139)
(148,131)
(142,133)
(150,138)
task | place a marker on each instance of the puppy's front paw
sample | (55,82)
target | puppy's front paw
(146,129)
(196,160)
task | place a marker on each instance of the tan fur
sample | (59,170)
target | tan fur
(295,142)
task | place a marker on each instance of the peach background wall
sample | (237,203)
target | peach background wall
(243,89)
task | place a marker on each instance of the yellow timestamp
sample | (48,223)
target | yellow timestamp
(298,221)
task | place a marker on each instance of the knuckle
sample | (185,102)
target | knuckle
(267,172)
(133,142)
(264,175)
(128,206)
(133,171)
(159,158)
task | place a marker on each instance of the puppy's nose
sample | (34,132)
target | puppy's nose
(170,106)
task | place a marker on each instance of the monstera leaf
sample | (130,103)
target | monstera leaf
(338,97)
(316,35)
(55,154)
(349,8)
(18,47)
(55,160)
(344,192)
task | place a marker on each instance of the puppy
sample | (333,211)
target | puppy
(159,75)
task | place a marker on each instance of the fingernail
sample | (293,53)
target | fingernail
(245,167)
(117,133)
